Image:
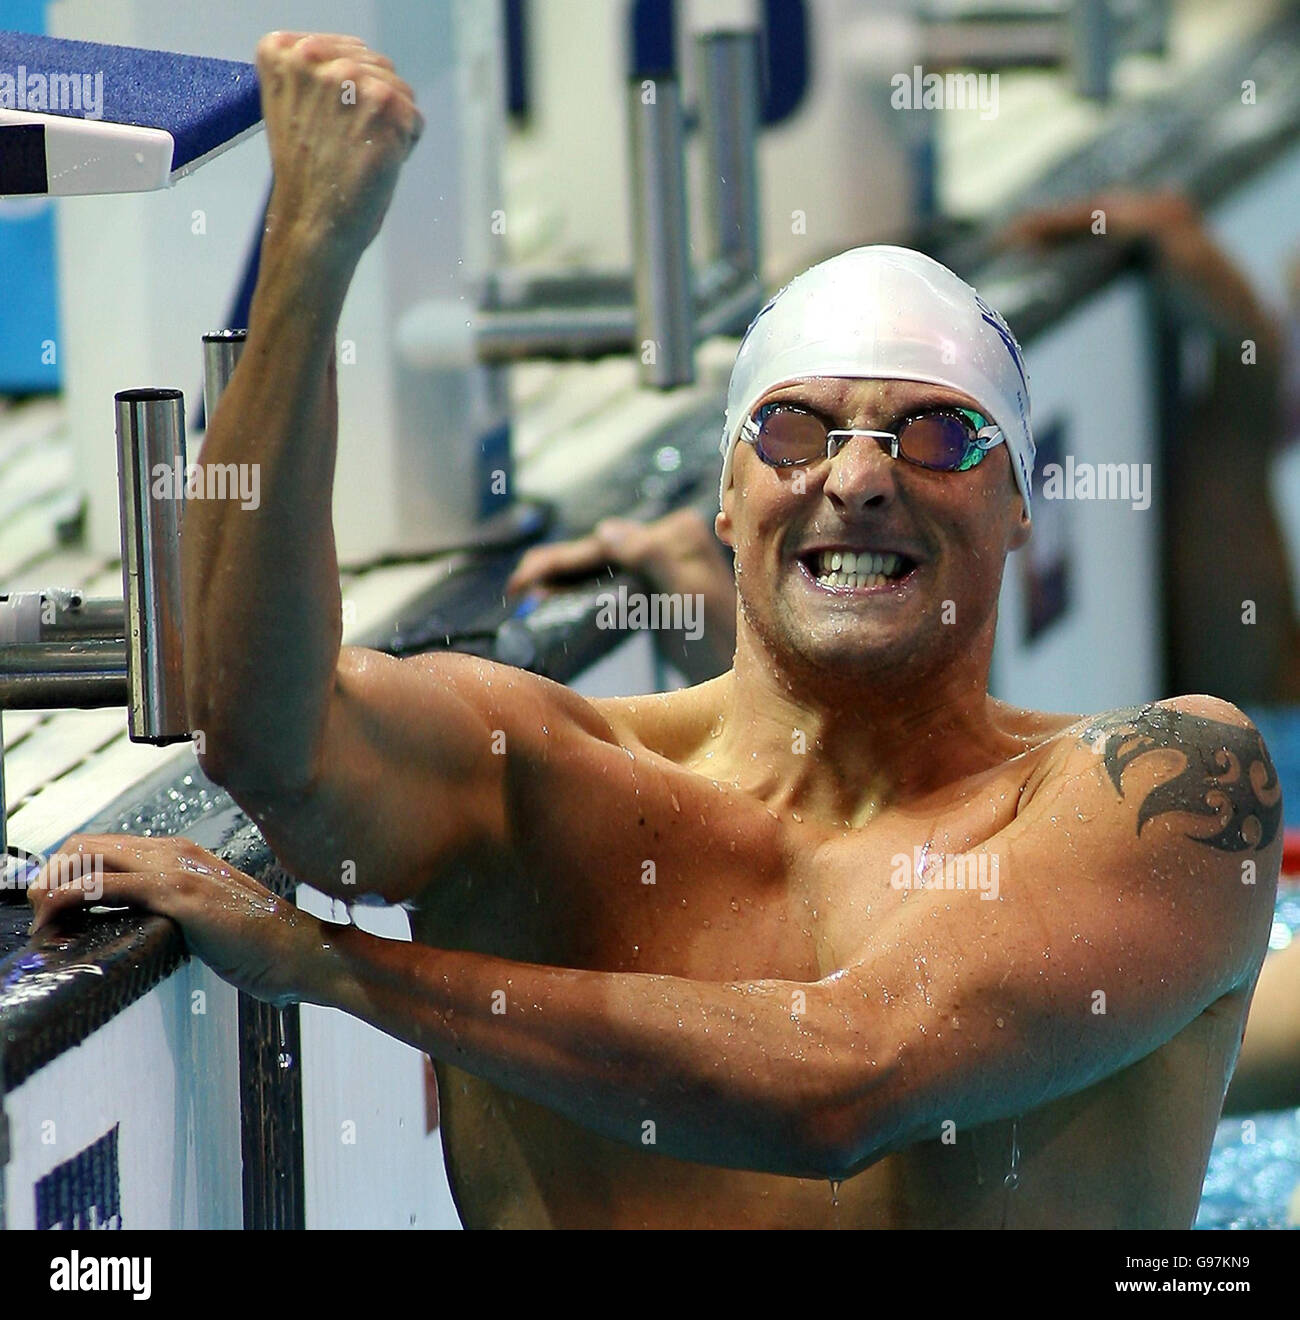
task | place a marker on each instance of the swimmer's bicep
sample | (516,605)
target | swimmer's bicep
(413,766)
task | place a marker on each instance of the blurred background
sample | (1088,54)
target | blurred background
(534,355)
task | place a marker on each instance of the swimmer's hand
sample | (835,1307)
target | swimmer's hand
(339,124)
(1160,215)
(677,555)
(249,936)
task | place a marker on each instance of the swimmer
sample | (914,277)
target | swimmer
(665,961)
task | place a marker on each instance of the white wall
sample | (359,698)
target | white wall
(367,1160)
(139,287)
(838,159)
(1093,371)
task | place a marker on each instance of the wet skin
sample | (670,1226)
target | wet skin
(743,894)
(1076,1032)
(772,1012)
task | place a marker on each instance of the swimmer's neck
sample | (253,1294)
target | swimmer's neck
(844,753)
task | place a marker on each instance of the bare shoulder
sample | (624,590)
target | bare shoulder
(532,709)
(1195,755)
(1178,801)
(1155,827)
(527,705)
(673,724)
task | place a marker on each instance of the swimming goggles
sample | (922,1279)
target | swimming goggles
(944,439)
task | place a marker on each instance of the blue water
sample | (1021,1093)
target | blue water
(1255,1162)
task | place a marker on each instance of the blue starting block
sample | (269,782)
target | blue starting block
(79,117)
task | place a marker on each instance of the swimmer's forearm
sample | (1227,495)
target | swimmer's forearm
(262,603)
(721,1074)
(1190,253)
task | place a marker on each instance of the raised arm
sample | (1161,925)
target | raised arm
(362,771)
(262,604)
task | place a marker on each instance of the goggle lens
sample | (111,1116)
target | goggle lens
(790,435)
(938,440)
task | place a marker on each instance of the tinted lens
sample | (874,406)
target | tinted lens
(937,440)
(790,435)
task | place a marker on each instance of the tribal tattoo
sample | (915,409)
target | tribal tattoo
(1228,775)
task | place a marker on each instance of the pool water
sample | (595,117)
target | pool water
(1254,1168)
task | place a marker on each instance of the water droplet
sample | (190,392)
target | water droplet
(1012,1179)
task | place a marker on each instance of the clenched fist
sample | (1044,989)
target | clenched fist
(340,123)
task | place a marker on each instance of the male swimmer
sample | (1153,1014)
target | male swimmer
(666,964)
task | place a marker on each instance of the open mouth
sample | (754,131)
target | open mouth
(856,571)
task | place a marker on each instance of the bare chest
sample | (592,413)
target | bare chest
(648,866)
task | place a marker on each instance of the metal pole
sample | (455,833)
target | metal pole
(661,236)
(83,675)
(1092,34)
(728,64)
(151,444)
(222,350)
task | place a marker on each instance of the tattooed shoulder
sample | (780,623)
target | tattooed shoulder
(1227,775)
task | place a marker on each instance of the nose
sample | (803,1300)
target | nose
(862,475)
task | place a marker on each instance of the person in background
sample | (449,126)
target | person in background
(1268,1068)
(1222,545)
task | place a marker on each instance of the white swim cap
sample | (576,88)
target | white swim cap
(884,312)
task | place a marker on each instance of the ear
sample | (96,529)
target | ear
(1022,530)
(722,527)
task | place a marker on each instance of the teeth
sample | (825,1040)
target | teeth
(852,580)
(844,567)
